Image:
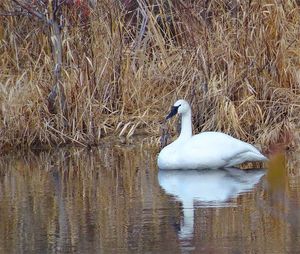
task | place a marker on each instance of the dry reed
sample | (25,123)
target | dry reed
(237,62)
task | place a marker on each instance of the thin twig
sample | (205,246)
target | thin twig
(14,13)
(33,12)
(72,139)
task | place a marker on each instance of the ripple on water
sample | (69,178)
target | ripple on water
(114,200)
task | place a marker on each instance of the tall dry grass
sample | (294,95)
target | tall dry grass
(237,62)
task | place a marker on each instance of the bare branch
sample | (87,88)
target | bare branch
(33,12)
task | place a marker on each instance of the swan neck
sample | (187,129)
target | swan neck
(186,126)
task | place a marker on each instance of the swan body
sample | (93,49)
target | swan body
(205,150)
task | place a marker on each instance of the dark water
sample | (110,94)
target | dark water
(114,200)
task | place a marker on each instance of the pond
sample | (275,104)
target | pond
(113,199)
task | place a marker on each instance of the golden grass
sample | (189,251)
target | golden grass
(237,62)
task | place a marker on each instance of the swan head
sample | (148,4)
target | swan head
(181,107)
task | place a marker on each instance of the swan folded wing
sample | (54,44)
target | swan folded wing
(201,159)
(242,157)
(215,150)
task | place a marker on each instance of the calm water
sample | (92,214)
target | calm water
(114,200)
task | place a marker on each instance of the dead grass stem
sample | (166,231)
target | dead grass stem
(237,62)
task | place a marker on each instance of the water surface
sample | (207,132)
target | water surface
(113,200)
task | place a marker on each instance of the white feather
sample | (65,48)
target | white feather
(204,150)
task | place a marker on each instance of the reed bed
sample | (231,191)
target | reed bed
(124,63)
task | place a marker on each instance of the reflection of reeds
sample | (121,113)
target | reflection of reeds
(109,200)
(236,61)
(75,200)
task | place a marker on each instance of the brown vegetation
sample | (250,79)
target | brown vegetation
(123,65)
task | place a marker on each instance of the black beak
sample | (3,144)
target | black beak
(173,112)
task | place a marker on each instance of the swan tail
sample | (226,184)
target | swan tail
(255,156)
(247,157)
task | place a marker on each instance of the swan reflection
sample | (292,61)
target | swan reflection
(207,187)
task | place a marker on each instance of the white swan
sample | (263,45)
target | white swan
(204,150)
